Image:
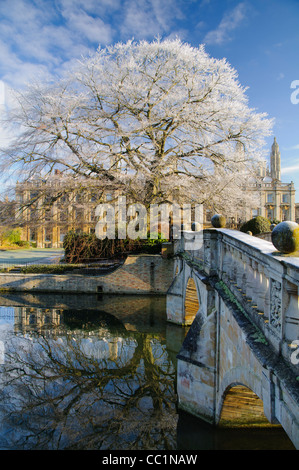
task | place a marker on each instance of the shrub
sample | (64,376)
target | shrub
(23,244)
(80,247)
(275,221)
(45,269)
(256,225)
(12,236)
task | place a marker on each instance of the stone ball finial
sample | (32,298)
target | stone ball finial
(285,237)
(218,221)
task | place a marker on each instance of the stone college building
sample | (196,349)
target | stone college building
(46,225)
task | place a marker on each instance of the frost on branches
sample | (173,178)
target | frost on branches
(158,121)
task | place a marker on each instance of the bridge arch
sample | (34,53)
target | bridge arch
(241,406)
(235,376)
(191,301)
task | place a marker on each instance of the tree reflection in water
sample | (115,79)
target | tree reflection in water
(89,390)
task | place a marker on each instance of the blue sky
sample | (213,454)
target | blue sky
(259,38)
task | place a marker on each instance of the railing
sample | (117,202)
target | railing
(263,282)
(14,265)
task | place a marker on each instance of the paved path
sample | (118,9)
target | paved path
(32,256)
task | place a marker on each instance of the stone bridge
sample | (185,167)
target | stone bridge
(239,362)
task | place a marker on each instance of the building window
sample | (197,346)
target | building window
(208,215)
(270,197)
(32,236)
(48,235)
(285,198)
(33,214)
(47,215)
(285,214)
(62,216)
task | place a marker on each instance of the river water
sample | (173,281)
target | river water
(99,372)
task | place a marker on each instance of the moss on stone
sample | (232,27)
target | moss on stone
(258,336)
(218,221)
(285,237)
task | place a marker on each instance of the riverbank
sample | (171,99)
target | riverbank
(142,274)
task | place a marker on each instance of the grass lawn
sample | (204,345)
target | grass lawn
(31,255)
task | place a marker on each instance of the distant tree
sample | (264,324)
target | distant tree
(159,121)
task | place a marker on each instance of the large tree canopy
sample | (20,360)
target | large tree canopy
(156,120)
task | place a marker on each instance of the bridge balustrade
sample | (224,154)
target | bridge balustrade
(265,283)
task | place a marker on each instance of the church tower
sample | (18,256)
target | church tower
(275,161)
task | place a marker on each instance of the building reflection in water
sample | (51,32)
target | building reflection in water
(119,373)
(36,319)
(117,368)
(97,342)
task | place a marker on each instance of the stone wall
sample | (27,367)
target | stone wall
(141,274)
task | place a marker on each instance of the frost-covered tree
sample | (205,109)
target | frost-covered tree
(159,121)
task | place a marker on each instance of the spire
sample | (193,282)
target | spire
(275,161)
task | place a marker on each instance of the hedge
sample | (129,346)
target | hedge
(256,225)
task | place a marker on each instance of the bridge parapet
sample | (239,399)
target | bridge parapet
(264,282)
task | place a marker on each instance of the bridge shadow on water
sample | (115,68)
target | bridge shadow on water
(195,434)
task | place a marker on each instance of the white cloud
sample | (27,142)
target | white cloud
(137,22)
(281,76)
(94,29)
(43,36)
(37,38)
(92,7)
(229,23)
(149,18)
(290,169)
